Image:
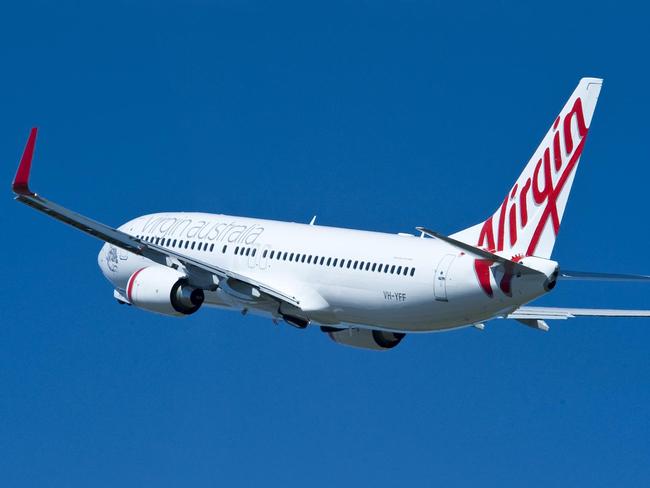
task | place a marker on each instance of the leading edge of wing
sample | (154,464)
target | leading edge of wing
(116,237)
(560,313)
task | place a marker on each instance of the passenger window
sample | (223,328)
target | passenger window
(374,266)
(264,253)
(399,270)
(392,270)
(406,271)
(355,265)
(236,250)
(193,244)
(349,263)
(412,271)
(315,259)
(329,261)
(223,250)
(309,259)
(386,267)
(322,260)
(200,246)
(367,266)
(304,256)
(187,244)
(271,255)
(248,251)
(284,257)
(174,243)
(291,256)
(254,252)
(335,262)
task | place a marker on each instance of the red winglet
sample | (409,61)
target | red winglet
(21,181)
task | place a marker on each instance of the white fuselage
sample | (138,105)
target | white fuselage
(343,276)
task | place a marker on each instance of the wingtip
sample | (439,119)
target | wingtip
(20,185)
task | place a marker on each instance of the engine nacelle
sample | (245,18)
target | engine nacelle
(378,340)
(163,290)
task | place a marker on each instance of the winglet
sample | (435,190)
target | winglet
(21,181)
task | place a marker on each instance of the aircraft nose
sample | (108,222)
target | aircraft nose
(101,258)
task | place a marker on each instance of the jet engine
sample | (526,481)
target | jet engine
(163,290)
(378,340)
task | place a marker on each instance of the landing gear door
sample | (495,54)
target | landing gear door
(440,278)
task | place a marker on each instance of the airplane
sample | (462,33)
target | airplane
(363,289)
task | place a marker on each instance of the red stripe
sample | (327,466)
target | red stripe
(482,268)
(129,286)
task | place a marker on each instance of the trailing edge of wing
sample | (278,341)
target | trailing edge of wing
(588,276)
(118,238)
(557,313)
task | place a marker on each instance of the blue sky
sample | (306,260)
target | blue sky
(371,115)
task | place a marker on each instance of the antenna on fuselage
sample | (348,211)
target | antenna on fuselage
(313,220)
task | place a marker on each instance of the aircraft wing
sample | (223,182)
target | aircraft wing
(198,270)
(555,313)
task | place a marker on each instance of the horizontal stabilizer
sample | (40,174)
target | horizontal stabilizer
(557,313)
(588,276)
(515,266)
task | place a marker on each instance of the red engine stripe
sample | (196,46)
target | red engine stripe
(129,285)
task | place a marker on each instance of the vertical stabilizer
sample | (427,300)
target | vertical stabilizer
(528,220)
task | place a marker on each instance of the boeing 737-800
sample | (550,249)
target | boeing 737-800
(364,289)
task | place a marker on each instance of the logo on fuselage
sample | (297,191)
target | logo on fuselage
(111,259)
(185,228)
